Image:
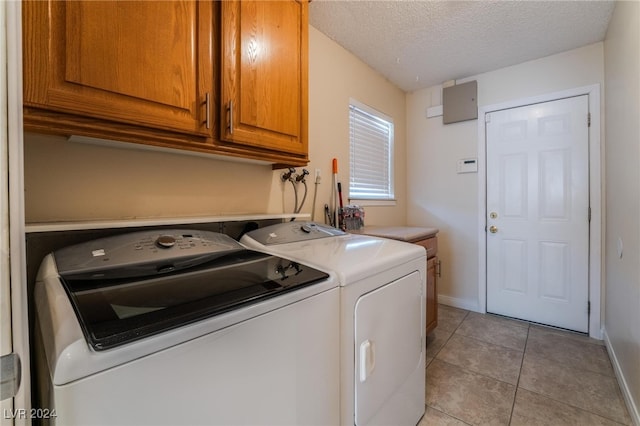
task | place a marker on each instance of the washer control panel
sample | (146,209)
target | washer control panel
(292,232)
(167,248)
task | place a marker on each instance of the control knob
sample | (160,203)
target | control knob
(165,241)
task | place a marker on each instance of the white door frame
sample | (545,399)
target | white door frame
(6,345)
(13,111)
(595,196)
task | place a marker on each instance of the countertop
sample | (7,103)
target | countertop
(402,233)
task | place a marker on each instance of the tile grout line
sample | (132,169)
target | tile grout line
(480,373)
(515,394)
(570,334)
(485,342)
(449,415)
(434,358)
(571,367)
(494,344)
(509,320)
(529,327)
(574,406)
(484,375)
(477,373)
(452,333)
(576,369)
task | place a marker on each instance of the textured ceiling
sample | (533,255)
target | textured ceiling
(417,44)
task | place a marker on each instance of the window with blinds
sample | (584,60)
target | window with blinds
(371,152)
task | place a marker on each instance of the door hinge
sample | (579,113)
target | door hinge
(589,119)
(589,215)
(588,307)
(487,118)
(10,374)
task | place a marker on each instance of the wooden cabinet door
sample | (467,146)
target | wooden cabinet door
(147,63)
(264,74)
(432,295)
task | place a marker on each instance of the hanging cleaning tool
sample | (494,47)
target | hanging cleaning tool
(334,193)
(341,210)
(327,215)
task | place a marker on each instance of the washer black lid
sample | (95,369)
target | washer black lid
(117,305)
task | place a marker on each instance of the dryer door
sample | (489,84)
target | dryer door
(389,349)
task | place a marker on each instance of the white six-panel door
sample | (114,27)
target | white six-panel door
(538,213)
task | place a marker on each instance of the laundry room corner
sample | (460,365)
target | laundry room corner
(434,149)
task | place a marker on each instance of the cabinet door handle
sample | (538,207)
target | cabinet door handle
(231,117)
(439,268)
(207,102)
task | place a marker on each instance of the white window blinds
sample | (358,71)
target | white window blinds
(371,142)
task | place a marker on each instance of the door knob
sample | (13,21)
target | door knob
(493,229)
(493,215)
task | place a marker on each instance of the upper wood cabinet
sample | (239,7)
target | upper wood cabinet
(165,73)
(264,74)
(139,62)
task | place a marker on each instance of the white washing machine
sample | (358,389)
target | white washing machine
(183,327)
(382,316)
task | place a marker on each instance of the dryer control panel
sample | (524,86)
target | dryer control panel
(293,232)
(168,248)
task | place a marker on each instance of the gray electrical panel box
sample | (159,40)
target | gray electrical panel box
(460,102)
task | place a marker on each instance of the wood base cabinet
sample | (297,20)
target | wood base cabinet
(432,294)
(433,268)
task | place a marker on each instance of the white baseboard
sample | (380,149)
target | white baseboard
(632,405)
(468,304)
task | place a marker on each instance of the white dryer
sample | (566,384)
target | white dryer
(183,327)
(382,293)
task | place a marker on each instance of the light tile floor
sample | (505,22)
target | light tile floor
(490,370)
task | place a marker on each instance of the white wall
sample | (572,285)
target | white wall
(68,181)
(622,303)
(335,76)
(440,197)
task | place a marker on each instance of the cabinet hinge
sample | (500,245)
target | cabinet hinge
(589,119)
